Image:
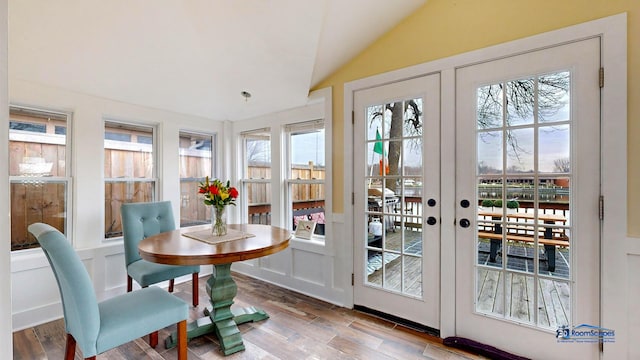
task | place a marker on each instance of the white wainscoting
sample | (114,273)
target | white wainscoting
(308,267)
(633,297)
(305,267)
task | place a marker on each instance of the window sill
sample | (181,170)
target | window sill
(315,245)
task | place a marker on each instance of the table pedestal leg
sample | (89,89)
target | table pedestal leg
(219,317)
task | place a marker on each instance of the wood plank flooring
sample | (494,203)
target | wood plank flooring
(299,327)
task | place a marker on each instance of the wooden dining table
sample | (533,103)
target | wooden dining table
(176,248)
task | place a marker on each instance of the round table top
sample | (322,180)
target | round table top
(175,249)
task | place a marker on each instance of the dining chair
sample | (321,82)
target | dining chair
(97,327)
(139,221)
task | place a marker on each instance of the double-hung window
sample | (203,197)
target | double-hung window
(196,162)
(129,170)
(39,172)
(256,178)
(305,174)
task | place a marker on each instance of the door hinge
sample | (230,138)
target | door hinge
(353,198)
(601,77)
(601,207)
(353,279)
(353,117)
(601,345)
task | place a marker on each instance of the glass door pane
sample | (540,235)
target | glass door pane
(523,187)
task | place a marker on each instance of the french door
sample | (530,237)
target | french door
(527,187)
(397,199)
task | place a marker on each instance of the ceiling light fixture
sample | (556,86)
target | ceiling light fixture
(246,95)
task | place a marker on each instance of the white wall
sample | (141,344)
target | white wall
(35,295)
(5,228)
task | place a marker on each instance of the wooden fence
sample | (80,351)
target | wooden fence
(41,200)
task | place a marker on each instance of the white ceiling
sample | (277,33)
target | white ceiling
(194,56)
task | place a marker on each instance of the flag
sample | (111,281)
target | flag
(378,148)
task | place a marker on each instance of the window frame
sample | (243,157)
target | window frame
(67,179)
(213,167)
(289,130)
(155,159)
(245,181)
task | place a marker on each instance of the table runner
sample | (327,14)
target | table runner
(206,236)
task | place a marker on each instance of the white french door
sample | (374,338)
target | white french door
(527,188)
(397,199)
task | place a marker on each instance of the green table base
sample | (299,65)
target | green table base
(219,317)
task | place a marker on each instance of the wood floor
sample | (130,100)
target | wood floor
(300,327)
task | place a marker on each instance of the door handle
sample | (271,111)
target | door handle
(465,223)
(431,220)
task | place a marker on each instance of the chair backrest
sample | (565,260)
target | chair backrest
(81,313)
(141,220)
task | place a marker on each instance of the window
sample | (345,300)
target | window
(256,182)
(196,162)
(38,172)
(306,173)
(129,170)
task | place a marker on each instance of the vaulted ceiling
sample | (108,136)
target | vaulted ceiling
(194,56)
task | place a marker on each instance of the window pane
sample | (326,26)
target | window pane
(308,204)
(117,193)
(38,172)
(257,155)
(196,154)
(36,201)
(124,156)
(307,152)
(128,170)
(35,147)
(259,203)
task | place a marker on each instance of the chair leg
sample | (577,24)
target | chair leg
(153,339)
(182,340)
(70,349)
(129,283)
(171,282)
(194,290)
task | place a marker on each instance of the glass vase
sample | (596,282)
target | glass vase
(218,221)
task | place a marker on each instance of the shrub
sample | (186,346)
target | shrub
(487,203)
(497,203)
(513,204)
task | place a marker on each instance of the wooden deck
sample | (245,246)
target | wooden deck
(553,298)
(553,291)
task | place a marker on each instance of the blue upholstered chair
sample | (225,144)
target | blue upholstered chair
(98,327)
(141,220)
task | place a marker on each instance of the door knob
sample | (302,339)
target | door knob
(464,203)
(431,220)
(431,202)
(465,223)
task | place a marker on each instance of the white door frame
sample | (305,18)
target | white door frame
(613,32)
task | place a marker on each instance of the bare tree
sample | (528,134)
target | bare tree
(562,165)
(517,101)
(406,120)
(257,151)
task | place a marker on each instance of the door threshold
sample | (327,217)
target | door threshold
(399,321)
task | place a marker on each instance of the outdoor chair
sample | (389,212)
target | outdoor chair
(97,327)
(139,221)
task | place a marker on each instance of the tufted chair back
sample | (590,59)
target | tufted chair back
(141,220)
(81,313)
